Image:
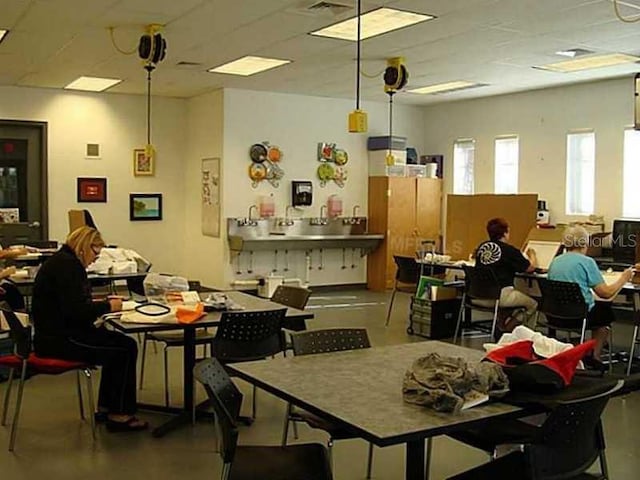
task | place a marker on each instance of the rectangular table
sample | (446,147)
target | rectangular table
(212,319)
(361,390)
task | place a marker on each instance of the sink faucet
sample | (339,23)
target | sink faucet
(325,208)
(287,210)
(251,209)
(355,210)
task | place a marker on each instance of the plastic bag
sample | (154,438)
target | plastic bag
(156,286)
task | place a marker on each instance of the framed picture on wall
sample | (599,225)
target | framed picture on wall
(145,206)
(143,164)
(91,189)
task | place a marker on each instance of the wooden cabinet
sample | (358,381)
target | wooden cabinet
(407,210)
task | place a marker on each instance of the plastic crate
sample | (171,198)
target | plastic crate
(433,319)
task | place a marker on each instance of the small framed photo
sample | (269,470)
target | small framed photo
(91,189)
(145,206)
(143,164)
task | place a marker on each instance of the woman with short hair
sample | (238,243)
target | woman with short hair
(576,267)
(64,314)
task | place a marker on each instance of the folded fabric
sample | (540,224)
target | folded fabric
(527,372)
(190,313)
(445,384)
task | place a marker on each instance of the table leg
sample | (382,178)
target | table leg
(414,460)
(189,361)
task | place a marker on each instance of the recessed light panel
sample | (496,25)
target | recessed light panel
(445,87)
(587,63)
(373,23)
(249,65)
(92,84)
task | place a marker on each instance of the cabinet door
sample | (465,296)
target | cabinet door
(402,217)
(429,209)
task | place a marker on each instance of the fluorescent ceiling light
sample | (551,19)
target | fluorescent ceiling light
(574,52)
(445,87)
(3,33)
(587,63)
(92,84)
(249,65)
(373,23)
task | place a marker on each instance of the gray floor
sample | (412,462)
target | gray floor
(54,444)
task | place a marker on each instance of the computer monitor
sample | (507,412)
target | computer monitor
(626,234)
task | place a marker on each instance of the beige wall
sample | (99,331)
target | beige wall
(542,119)
(118,124)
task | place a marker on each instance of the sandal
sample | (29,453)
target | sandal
(132,425)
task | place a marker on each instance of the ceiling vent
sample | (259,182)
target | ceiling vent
(322,8)
(188,64)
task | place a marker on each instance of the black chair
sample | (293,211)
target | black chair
(247,336)
(241,462)
(24,359)
(294,297)
(325,341)
(480,284)
(569,441)
(407,278)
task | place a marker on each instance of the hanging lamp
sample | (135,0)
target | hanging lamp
(358,118)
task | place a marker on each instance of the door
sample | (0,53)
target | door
(23,182)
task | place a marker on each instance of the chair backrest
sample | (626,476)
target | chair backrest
(42,243)
(481,283)
(20,334)
(408,270)
(245,336)
(571,438)
(294,297)
(562,300)
(226,400)
(329,340)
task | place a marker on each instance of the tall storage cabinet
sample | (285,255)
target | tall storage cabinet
(406,210)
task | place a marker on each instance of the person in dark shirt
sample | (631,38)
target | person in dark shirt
(505,261)
(64,315)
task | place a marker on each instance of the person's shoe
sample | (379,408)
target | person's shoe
(100,417)
(592,363)
(132,425)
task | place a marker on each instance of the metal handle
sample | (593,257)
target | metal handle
(34,224)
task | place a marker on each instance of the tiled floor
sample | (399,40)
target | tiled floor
(53,444)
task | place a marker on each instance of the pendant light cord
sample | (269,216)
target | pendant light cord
(358,59)
(390,118)
(149,68)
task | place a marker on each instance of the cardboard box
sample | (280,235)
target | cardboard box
(544,234)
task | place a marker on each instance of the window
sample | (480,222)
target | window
(581,172)
(506,166)
(631,173)
(463,154)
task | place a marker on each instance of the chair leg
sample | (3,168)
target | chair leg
(16,415)
(253,404)
(495,321)
(634,341)
(79,389)
(369,461)
(610,349)
(143,358)
(295,430)
(330,452)
(226,470)
(166,377)
(583,332)
(92,405)
(7,396)
(285,428)
(459,323)
(393,296)
(427,458)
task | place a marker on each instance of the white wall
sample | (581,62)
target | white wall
(118,124)
(204,256)
(296,124)
(542,119)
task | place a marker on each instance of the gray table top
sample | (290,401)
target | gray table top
(212,319)
(362,390)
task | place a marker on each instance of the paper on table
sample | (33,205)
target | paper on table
(137,317)
(129,305)
(473,398)
(545,251)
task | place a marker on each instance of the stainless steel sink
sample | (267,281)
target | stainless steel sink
(301,234)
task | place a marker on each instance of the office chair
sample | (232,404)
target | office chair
(407,278)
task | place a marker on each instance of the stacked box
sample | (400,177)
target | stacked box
(387,143)
(378,163)
(433,319)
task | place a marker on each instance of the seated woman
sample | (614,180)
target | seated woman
(506,260)
(574,266)
(64,315)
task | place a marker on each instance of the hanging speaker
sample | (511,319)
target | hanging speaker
(396,75)
(152,48)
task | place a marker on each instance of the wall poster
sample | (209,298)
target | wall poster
(211,197)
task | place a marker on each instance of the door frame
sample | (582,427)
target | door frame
(42,127)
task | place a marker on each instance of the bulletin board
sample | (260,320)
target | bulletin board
(467,217)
